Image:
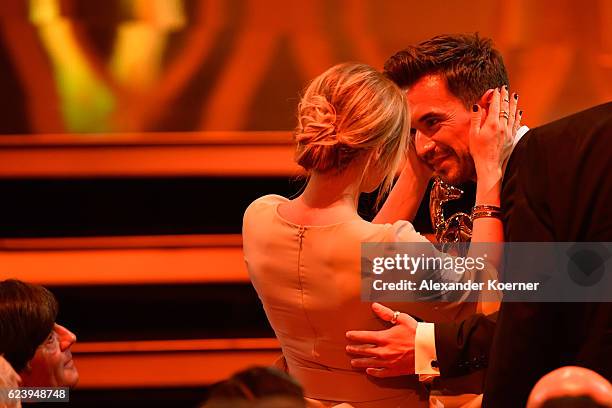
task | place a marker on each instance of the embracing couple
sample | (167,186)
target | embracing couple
(442,107)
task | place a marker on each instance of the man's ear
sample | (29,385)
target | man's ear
(485,100)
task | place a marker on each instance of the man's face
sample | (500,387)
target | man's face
(442,126)
(52,365)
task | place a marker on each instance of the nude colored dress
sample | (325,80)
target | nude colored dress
(308,279)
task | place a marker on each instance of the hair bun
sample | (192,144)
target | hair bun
(317,122)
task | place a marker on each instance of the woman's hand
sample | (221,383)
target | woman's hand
(404,199)
(417,167)
(491,141)
(514,123)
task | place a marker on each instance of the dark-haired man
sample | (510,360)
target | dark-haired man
(568,161)
(36,346)
(444,78)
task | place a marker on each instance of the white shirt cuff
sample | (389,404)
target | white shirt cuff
(425,357)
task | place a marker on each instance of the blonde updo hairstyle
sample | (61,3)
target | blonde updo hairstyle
(348,110)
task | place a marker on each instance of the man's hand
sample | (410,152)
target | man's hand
(386,353)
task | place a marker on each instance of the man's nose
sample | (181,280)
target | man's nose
(423,145)
(66,337)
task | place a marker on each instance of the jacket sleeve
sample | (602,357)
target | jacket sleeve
(463,347)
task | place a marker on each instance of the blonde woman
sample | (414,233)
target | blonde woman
(303,255)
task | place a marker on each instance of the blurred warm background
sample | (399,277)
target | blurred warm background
(134,133)
(184,65)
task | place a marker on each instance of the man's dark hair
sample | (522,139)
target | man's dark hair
(469,64)
(27,316)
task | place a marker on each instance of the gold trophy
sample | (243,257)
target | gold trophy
(458,228)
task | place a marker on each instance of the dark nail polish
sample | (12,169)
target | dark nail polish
(505,87)
(516,96)
(475,108)
(520,113)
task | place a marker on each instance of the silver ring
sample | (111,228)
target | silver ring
(507,100)
(395,316)
(504,114)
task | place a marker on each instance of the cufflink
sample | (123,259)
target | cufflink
(434,364)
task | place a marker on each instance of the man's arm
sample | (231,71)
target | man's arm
(463,347)
(408,347)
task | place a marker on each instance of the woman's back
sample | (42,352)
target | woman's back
(308,279)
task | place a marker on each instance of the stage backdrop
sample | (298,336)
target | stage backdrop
(185,65)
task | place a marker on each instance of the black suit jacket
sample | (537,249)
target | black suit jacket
(557,187)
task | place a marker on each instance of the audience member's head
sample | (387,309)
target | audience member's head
(352,112)
(571,387)
(444,77)
(257,387)
(35,346)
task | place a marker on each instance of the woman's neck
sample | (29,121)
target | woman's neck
(331,190)
(328,198)
(336,190)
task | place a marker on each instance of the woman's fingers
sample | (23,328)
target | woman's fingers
(476,120)
(504,115)
(512,112)
(517,123)
(505,100)
(494,107)
(492,120)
